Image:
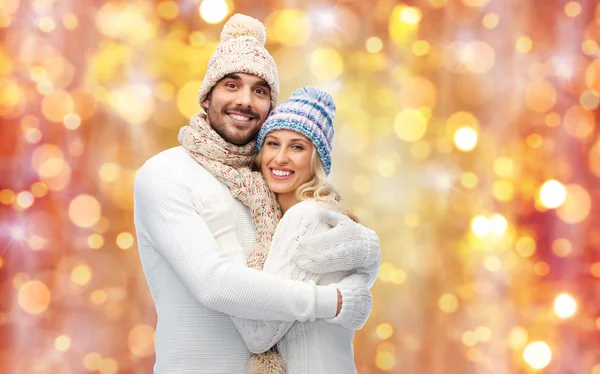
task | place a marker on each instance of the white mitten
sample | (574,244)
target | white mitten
(347,245)
(221,220)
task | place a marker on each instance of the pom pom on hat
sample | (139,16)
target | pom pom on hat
(242,25)
(242,50)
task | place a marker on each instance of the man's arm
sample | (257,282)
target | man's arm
(164,213)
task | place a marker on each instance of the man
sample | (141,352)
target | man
(193,285)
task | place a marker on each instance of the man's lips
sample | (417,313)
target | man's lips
(240,118)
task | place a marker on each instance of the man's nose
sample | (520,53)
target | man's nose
(244,97)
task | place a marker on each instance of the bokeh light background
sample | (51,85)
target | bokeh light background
(466,137)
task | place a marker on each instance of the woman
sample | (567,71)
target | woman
(294,157)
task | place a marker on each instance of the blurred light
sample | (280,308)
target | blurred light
(122,101)
(589,47)
(62,343)
(469,180)
(498,224)
(95,241)
(84,210)
(47,24)
(410,125)
(57,105)
(537,355)
(480,226)
(386,272)
(579,122)
(109,365)
(596,369)
(483,333)
(33,135)
(492,263)
(572,9)
(448,303)
(490,20)
(124,240)
(17,233)
(577,205)
(562,247)
(565,306)
(39,189)
(421,47)
(410,15)
(469,339)
(503,190)
(169,10)
(525,246)
(213,11)
(540,96)
(98,296)
(81,274)
(374,44)
(72,121)
(541,269)
(384,331)
(141,340)
(385,361)
(534,140)
(465,138)
(24,199)
(475,3)
(291,27)
(438,3)
(7,196)
(552,119)
(595,269)
(36,242)
(70,21)
(326,64)
(92,361)
(326,18)
(109,172)
(517,338)
(33,297)
(524,44)
(419,93)
(504,167)
(589,99)
(552,194)
(197,38)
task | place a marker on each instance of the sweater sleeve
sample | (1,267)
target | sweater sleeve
(165,215)
(260,336)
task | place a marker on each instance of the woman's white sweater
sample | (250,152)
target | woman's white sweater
(311,347)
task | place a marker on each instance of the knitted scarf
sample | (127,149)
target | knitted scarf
(231,165)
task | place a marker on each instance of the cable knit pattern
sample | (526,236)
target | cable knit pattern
(231,165)
(193,285)
(299,342)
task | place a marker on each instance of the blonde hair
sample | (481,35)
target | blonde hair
(317,188)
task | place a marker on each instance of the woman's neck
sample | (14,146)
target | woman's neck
(286,201)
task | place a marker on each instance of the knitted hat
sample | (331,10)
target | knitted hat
(310,112)
(241,51)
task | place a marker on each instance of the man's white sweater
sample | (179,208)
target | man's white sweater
(193,285)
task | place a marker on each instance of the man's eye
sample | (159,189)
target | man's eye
(261,91)
(231,85)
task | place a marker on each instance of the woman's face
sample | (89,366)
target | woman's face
(286,161)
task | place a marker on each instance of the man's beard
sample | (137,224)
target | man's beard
(216,120)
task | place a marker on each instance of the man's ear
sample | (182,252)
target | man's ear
(206,101)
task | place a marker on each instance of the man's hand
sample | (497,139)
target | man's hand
(347,245)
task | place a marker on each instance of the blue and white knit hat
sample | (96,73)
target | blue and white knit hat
(310,112)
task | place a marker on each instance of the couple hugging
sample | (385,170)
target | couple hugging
(253,263)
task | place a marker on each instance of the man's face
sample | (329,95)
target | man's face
(237,107)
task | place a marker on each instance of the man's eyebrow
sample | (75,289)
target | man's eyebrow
(232,76)
(263,83)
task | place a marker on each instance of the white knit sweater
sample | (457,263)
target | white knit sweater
(316,347)
(193,284)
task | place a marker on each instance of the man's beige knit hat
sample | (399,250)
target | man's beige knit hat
(242,50)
